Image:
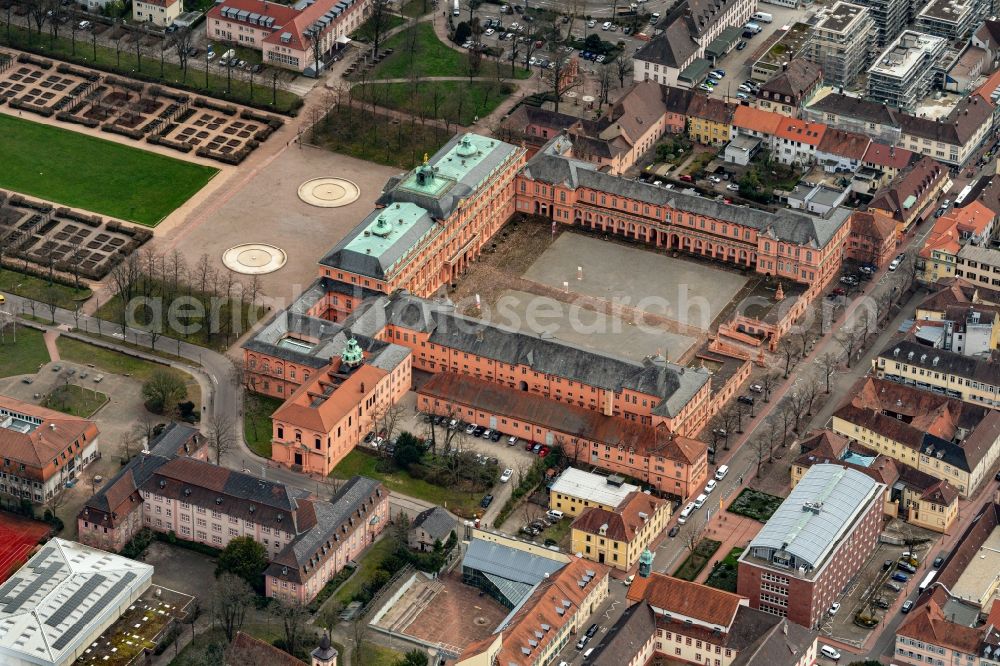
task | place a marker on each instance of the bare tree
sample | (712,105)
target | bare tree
(728,420)
(797,401)
(378,19)
(55,500)
(787,349)
(181,40)
(221,437)
(850,338)
(623,65)
(385,419)
(693,537)
(534,37)
(359,632)
(559,80)
(768,383)
(605,76)
(129,443)
(828,363)
(293,615)
(125,275)
(232,598)
(811,388)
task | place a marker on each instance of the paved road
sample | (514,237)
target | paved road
(222,396)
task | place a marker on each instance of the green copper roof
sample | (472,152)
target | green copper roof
(352,354)
(451,167)
(386,227)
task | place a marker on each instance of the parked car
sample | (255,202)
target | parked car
(756,388)
(834,607)
(591,630)
(733,187)
(742,96)
(745,399)
(881,603)
(544,451)
(471,428)
(369,437)
(702,86)
(714,179)
(487,500)
(938,561)
(740,45)
(505,477)
(886,565)
(512,440)
(892,586)
(710,486)
(83,25)
(907,606)
(495,436)
(900,576)
(673,531)
(687,178)
(486,433)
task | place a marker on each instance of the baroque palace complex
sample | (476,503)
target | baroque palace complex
(345,350)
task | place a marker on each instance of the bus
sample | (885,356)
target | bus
(961,195)
(926,582)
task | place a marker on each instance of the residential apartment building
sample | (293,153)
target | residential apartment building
(972,224)
(307,540)
(954,138)
(795,141)
(889,16)
(574,491)
(788,90)
(300,37)
(842,43)
(975,380)
(910,495)
(783,47)
(934,434)
(42,449)
(979,264)
(854,114)
(710,120)
(683,34)
(697,624)
(873,238)
(966,325)
(840,151)
(157,12)
(903,73)
(553,614)
(816,541)
(950,19)
(912,195)
(617,537)
(431,223)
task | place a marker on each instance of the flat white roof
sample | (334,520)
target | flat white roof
(594,487)
(980,576)
(54,603)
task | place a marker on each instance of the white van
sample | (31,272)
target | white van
(753,27)
(700,501)
(763,17)
(687,511)
(555,514)
(829,652)
(606,25)
(720,473)
(590,651)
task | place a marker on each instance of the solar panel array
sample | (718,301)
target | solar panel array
(75,600)
(98,606)
(43,575)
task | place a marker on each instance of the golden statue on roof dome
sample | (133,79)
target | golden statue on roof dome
(426,159)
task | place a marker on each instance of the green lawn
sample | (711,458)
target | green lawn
(376,655)
(257,411)
(366,33)
(24,356)
(357,463)
(696,561)
(39,289)
(111,361)
(367,564)
(149,67)
(75,400)
(416,8)
(417,51)
(82,171)
(375,137)
(755,504)
(457,101)
(723,576)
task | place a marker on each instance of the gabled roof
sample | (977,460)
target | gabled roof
(636,111)
(711,109)
(943,237)
(624,523)
(958,128)
(926,623)
(677,597)
(909,191)
(798,77)
(784,643)
(673,48)
(677,100)
(973,218)
(436,521)
(626,637)
(33,435)
(986,370)
(328,397)
(873,224)
(881,155)
(245,650)
(844,144)
(801,131)
(757,120)
(855,107)
(951,291)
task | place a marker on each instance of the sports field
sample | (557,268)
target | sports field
(100,176)
(18,537)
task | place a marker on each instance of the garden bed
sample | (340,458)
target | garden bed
(755,504)
(696,561)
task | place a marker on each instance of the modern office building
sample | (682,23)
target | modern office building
(890,16)
(950,19)
(842,43)
(819,537)
(903,73)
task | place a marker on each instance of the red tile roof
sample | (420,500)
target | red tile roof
(680,597)
(844,144)
(927,623)
(882,155)
(794,129)
(973,218)
(245,650)
(300,408)
(873,224)
(38,448)
(757,120)
(942,238)
(624,523)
